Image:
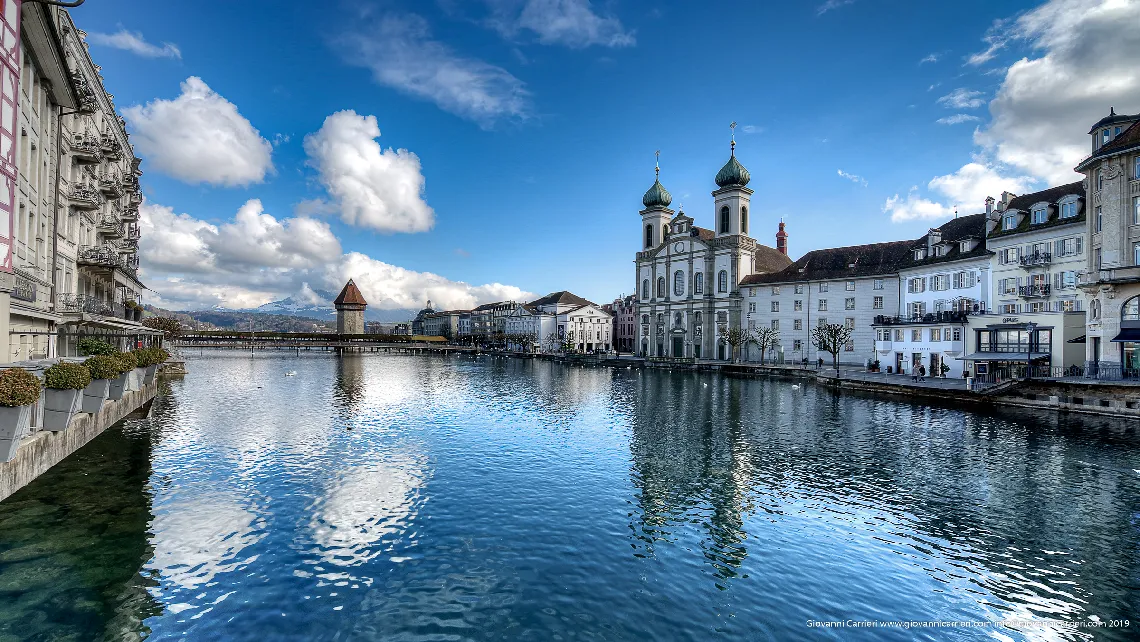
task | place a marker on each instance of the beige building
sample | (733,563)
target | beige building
(73,197)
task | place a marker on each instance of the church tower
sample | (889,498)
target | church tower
(732,198)
(782,240)
(655,217)
(350,305)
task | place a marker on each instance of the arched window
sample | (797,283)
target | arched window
(679,283)
(661,287)
(645,288)
(722,281)
(648,236)
(677,319)
(724,220)
(1094,309)
(744,220)
(697,318)
(699,283)
(1130,311)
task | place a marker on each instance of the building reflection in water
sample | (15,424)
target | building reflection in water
(349,392)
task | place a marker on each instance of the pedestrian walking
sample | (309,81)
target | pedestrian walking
(922,373)
(914,372)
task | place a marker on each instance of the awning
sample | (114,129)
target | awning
(1080,339)
(1128,335)
(1005,356)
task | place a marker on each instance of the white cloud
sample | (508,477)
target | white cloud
(970,185)
(934,57)
(914,207)
(200,137)
(830,5)
(854,178)
(1085,63)
(255,258)
(962,98)
(572,23)
(134,42)
(373,187)
(996,38)
(752,129)
(956,119)
(401,54)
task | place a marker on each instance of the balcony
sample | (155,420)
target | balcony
(67,303)
(130,214)
(107,256)
(86,149)
(1110,276)
(85,197)
(1035,291)
(110,185)
(136,198)
(111,148)
(1035,259)
(111,228)
(952,316)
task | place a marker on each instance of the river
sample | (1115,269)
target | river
(385,497)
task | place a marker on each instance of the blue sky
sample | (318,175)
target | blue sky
(532,125)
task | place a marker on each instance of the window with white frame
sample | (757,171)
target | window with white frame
(699,283)
(661,287)
(797,345)
(822,321)
(798,324)
(1136,254)
(1069,305)
(917,308)
(1040,215)
(1009,255)
(775,324)
(1136,210)
(1099,218)
(1009,308)
(916,335)
(849,323)
(751,291)
(850,286)
(679,283)
(1009,222)
(899,335)
(849,346)
(798,289)
(775,306)
(939,282)
(722,281)
(849,303)
(878,284)
(823,305)
(1068,279)
(775,290)
(916,285)
(1068,209)
(935,334)
(957,334)
(877,303)
(823,287)
(752,307)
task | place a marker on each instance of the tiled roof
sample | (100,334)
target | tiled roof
(953,231)
(1051,196)
(769,259)
(561,298)
(1127,140)
(350,295)
(841,263)
(1112,119)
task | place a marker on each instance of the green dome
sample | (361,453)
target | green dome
(732,174)
(657,196)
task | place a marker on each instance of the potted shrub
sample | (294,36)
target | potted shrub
(155,357)
(142,362)
(119,385)
(103,369)
(64,383)
(19,391)
(93,345)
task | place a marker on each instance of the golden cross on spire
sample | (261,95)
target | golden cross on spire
(732,126)
(657,165)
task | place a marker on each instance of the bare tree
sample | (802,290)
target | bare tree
(766,338)
(831,338)
(736,337)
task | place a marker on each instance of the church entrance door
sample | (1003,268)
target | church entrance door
(678,347)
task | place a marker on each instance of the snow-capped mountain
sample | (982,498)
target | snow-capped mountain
(291,306)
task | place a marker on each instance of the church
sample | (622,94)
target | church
(688,277)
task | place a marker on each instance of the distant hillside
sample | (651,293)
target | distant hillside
(326,311)
(240,320)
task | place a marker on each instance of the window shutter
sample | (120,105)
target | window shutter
(1079,240)
(1058,248)
(1057,281)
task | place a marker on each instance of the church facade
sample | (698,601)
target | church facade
(688,277)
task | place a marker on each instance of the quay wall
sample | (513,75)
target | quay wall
(44,449)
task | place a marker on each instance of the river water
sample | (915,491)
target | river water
(384,497)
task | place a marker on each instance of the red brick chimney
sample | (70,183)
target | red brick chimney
(782,240)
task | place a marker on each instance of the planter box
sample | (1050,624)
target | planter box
(137,378)
(95,394)
(148,376)
(118,387)
(14,422)
(59,407)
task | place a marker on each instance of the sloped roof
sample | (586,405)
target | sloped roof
(1051,196)
(769,259)
(350,295)
(954,230)
(835,263)
(1127,140)
(561,297)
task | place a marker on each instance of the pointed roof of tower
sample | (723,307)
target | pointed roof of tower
(350,295)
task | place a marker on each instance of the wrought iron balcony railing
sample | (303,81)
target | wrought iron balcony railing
(108,226)
(953,316)
(87,148)
(67,303)
(1037,258)
(85,197)
(110,185)
(108,256)
(1034,291)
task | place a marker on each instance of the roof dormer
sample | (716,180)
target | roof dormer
(1108,128)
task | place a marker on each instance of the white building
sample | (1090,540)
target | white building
(944,280)
(688,277)
(563,317)
(1111,279)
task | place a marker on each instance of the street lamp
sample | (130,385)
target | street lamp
(1031,329)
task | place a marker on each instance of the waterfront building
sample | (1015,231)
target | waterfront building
(624,311)
(563,318)
(489,319)
(418,321)
(845,285)
(443,324)
(350,306)
(688,277)
(1111,279)
(944,280)
(68,257)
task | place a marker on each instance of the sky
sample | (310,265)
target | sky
(481,150)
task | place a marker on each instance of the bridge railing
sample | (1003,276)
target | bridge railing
(236,337)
